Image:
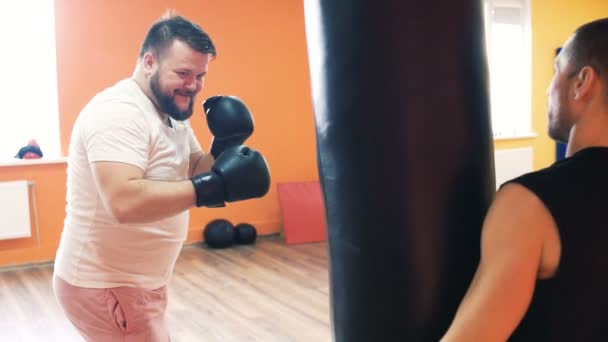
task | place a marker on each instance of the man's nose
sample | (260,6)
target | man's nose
(191,85)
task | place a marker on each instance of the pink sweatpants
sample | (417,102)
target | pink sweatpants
(120,314)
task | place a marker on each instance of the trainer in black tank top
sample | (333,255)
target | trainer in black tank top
(573,305)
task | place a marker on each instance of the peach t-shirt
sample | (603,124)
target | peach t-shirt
(121,124)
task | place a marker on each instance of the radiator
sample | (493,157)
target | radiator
(511,163)
(15,210)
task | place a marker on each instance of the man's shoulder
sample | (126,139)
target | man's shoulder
(123,101)
(124,91)
(517,216)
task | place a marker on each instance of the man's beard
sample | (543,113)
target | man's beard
(561,121)
(167,104)
(559,129)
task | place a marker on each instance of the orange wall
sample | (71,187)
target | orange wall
(261,58)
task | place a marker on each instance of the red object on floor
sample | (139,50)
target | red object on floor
(303,212)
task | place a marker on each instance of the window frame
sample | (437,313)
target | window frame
(526,131)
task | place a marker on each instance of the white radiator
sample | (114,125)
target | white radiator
(15,210)
(511,163)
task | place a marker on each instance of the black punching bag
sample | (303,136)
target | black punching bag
(401,105)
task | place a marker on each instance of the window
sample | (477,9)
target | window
(509,52)
(28,91)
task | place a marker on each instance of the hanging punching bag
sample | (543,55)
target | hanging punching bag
(401,107)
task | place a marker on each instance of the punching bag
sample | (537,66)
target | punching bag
(401,105)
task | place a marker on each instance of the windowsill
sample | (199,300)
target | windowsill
(27,162)
(519,136)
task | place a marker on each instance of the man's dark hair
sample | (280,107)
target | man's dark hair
(173,27)
(590,47)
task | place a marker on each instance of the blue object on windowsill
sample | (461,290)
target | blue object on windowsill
(560,151)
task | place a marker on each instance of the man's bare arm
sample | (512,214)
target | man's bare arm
(513,236)
(132,199)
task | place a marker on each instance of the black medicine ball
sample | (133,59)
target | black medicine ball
(244,234)
(219,234)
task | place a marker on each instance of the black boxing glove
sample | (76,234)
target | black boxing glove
(229,121)
(238,174)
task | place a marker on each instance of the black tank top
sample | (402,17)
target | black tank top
(573,305)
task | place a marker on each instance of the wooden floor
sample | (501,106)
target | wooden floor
(266,292)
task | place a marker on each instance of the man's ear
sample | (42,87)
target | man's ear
(584,82)
(149,63)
